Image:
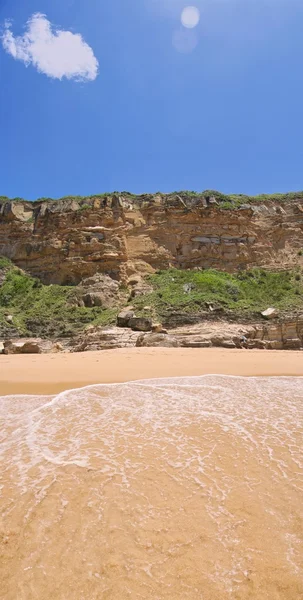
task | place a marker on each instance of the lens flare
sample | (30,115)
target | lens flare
(190,17)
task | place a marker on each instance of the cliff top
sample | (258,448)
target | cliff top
(189,198)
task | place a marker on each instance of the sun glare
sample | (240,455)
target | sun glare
(190,17)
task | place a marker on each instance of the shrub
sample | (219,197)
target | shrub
(5,262)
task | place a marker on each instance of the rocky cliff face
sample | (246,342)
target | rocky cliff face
(65,241)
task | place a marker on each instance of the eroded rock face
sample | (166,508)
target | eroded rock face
(20,211)
(63,242)
(286,335)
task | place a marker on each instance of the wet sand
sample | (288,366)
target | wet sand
(168,489)
(54,373)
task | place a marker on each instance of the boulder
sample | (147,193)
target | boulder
(140,324)
(270,313)
(100,290)
(27,346)
(124,318)
(93,299)
(157,340)
(1,347)
(9,318)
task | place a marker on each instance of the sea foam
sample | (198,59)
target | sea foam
(166,488)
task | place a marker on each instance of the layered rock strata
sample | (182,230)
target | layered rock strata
(284,335)
(65,242)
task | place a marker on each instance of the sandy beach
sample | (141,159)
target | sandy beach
(53,373)
(151,489)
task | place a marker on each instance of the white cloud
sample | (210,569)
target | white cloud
(54,52)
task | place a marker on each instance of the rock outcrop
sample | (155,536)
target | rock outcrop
(104,338)
(282,335)
(127,318)
(68,241)
(287,335)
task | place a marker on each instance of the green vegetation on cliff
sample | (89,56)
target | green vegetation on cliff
(4,262)
(54,311)
(242,295)
(41,310)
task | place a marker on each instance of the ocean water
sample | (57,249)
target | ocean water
(168,489)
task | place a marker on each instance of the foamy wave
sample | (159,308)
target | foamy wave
(174,476)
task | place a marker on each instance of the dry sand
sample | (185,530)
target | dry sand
(53,373)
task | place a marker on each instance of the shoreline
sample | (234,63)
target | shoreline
(50,374)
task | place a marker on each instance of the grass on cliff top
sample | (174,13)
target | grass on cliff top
(245,294)
(226,201)
(41,310)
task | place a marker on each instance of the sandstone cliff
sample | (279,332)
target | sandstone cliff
(68,240)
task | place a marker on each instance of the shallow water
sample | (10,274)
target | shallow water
(185,488)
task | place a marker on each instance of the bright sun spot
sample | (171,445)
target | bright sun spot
(190,16)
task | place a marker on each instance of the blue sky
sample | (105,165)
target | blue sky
(150,104)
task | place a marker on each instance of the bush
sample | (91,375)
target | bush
(46,311)
(242,294)
(5,262)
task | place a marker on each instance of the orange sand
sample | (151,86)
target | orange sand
(52,373)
